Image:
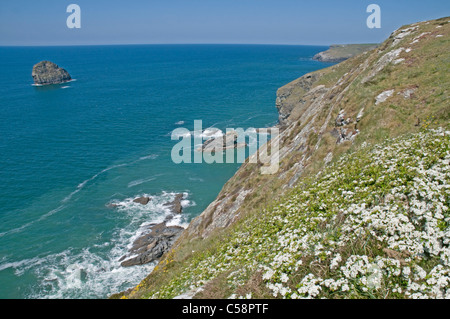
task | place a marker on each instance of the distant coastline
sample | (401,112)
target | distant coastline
(341,52)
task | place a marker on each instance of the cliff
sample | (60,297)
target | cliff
(362,190)
(341,52)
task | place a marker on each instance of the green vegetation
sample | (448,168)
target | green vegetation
(375,224)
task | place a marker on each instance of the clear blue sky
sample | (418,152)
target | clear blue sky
(43,22)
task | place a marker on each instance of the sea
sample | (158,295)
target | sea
(68,151)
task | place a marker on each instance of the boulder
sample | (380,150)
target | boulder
(46,72)
(142,200)
(175,205)
(152,245)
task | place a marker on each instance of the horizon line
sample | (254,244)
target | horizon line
(144,44)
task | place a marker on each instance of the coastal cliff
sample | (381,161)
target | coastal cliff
(342,217)
(341,52)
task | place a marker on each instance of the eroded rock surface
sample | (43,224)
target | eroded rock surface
(46,72)
(155,239)
(152,245)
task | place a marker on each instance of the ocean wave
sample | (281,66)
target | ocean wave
(64,87)
(95,271)
(196,179)
(156,210)
(206,134)
(140,181)
(143,158)
(211,132)
(83,184)
(79,188)
(80,274)
(21,228)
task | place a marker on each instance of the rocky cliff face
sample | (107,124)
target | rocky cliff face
(382,93)
(46,72)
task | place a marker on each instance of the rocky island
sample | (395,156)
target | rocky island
(46,72)
(341,52)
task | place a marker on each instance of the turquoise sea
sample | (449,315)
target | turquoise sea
(68,150)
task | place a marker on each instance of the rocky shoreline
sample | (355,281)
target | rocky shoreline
(155,239)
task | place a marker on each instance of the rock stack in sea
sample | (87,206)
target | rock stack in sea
(46,72)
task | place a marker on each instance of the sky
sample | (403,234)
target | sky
(324,22)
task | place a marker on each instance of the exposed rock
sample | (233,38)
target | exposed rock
(400,35)
(346,135)
(360,115)
(408,93)
(420,37)
(293,97)
(220,213)
(382,97)
(156,239)
(221,143)
(152,245)
(341,52)
(175,205)
(382,63)
(142,200)
(46,72)
(340,120)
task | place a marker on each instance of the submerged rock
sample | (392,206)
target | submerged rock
(46,72)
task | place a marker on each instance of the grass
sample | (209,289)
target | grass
(292,245)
